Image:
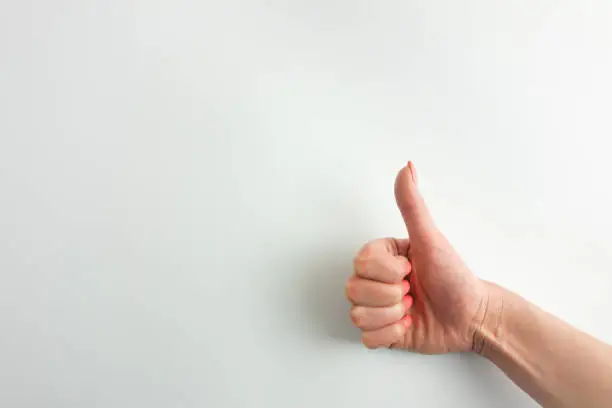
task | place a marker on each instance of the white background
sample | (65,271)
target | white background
(184,184)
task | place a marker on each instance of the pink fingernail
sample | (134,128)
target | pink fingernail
(413,171)
(405,286)
(406,320)
(408,302)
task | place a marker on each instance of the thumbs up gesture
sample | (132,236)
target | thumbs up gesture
(415,293)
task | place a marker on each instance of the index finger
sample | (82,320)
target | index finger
(383,260)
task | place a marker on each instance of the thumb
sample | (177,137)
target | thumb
(411,204)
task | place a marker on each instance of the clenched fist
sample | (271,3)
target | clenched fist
(416,293)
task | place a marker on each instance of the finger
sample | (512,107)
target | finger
(383,260)
(372,318)
(365,292)
(382,267)
(392,246)
(416,216)
(388,335)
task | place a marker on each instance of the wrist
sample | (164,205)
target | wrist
(487,324)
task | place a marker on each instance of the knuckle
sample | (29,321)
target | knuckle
(367,250)
(368,342)
(398,272)
(398,310)
(404,266)
(360,263)
(399,292)
(398,330)
(350,289)
(395,295)
(356,315)
(365,254)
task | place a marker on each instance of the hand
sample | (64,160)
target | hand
(415,294)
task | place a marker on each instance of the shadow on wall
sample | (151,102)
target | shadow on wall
(319,267)
(326,309)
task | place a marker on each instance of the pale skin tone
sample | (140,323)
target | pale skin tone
(419,295)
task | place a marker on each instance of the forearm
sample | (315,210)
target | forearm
(558,365)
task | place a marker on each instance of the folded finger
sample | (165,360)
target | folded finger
(383,267)
(366,292)
(388,335)
(383,260)
(372,318)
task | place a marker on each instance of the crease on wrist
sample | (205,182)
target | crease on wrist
(488,327)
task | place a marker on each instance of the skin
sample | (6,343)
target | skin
(419,295)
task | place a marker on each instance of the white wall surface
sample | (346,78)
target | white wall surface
(183,185)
